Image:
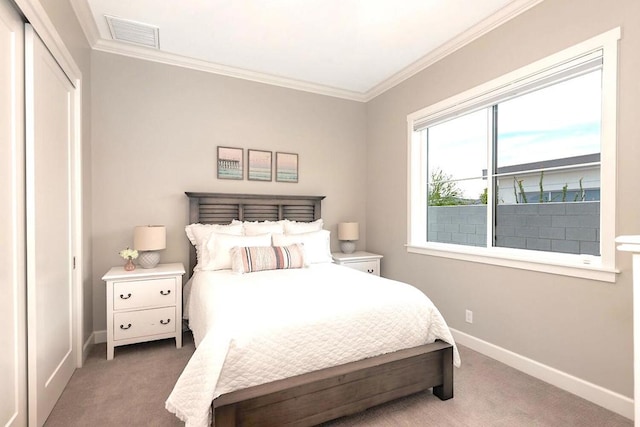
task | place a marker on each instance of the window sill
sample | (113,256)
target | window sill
(585,267)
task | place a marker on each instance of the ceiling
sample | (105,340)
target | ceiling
(354,49)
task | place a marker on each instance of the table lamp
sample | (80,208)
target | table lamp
(149,240)
(348,234)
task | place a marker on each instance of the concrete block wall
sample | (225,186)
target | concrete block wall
(571,227)
(461,224)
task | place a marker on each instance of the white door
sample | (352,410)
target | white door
(50,127)
(13,385)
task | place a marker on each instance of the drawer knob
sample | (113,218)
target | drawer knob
(165,322)
(127,297)
(125,327)
(167,292)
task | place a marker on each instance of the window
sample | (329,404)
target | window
(521,171)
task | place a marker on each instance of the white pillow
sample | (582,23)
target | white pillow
(316,244)
(250,259)
(218,247)
(255,228)
(295,227)
(199,233)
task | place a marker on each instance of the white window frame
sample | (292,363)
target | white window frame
(601,268)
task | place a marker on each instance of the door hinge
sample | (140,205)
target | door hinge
(74,263)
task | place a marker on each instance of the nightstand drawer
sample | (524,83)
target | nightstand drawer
(372,267)
(144,293)
(133,324)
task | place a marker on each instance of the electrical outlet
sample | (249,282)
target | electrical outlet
(468,316)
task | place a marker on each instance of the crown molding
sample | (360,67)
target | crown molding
(148,54)
(90,29)
(85,17)
(39,20)
(503,15)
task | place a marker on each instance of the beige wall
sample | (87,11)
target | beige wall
(155,132)
(581,327)
(67,26)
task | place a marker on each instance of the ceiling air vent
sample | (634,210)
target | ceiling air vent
(133,32)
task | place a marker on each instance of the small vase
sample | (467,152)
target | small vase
(129,266)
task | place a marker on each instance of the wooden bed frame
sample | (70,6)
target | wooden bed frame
(330,393)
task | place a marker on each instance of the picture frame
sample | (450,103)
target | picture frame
(286,167)
(259,165)
(230,163)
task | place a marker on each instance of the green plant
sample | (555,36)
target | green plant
(580,195)
(442,190)
(484,196)
(523,196)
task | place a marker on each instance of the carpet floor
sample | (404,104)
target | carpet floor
(130,390)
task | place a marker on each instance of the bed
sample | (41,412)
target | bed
(279,390)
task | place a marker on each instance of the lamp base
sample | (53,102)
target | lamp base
(148,259)
(347,246)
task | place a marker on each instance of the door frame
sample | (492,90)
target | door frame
(12,195)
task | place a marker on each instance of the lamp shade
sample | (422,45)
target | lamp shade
(348,231)
(150,237)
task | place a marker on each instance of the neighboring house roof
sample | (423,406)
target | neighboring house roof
(547,164)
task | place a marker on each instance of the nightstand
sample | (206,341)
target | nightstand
(363,261)
(143,305)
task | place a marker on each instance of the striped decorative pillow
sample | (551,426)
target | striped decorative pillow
(259,258)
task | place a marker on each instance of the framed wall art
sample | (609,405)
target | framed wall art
(230,163)
(259,165)
(286,167)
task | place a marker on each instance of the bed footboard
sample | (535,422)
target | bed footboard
(327,394)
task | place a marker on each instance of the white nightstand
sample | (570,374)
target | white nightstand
(143,305)
(363,261)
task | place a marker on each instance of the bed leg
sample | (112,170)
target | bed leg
(445,390)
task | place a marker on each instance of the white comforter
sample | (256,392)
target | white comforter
(255,328)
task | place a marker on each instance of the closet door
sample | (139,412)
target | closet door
(50,128)
(13,385)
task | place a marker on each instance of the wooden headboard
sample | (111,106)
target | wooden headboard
(221,208)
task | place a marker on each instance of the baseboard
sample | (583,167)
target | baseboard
(86,347)
(601,396)
(100,336)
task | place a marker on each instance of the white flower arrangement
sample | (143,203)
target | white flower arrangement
(129,253)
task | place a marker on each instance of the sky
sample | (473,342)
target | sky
(287,161)
(260,159)
(530,128)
